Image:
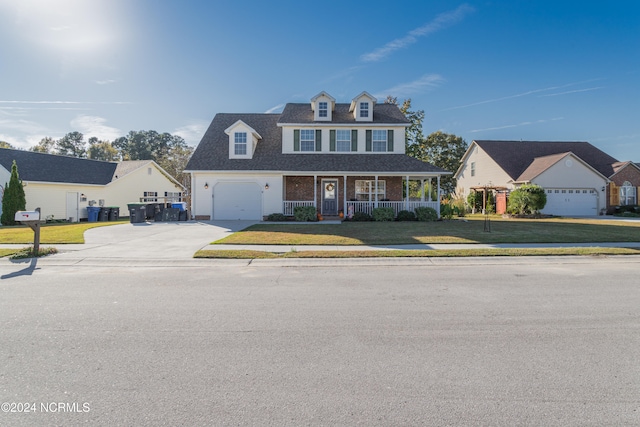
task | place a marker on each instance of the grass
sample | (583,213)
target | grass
(29,253)
(7,252)
(52,233)
(249,254)
(469,230)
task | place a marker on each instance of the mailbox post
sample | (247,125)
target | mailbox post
(32,219)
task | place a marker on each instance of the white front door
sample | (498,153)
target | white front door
(72,207)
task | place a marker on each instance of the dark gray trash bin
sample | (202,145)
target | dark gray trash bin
(114,213)
(103,215)
(137,212)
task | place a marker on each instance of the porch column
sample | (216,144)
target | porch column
(315,191)
(344,195)
(406,199)
(375,194)
(438,198)
(422,190)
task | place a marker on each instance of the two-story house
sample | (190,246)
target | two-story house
(338,157)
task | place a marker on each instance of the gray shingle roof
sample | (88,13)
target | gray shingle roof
(212,154)
(52,168)
(514,157)
(302,114)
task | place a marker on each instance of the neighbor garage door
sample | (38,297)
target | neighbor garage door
(571,202)
(237,200)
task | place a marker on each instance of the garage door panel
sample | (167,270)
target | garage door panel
(571,202)
(237,200)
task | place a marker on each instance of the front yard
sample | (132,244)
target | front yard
(52,233)
(467,230)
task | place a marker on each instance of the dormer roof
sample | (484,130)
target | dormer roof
(246,126)
(321,95)
(365,94)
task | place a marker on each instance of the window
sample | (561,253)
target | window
(150,196)
(173,196)
(366,190)
(364,109)
(627,194)
(473,168)
(379,140)
(240,143)
(322,109)
(343,140)
(307,140)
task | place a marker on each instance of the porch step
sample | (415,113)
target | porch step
(331,218)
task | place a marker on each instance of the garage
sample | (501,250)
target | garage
(571,202)
(237,200)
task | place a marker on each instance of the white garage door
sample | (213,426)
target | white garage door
(237,200)
(571,202)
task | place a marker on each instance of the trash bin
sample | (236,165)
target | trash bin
(184,215)
(93,211)
(179,205)
(137,212)
(114,213)
(104,214)
(152,210)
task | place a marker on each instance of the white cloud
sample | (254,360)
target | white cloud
(95,126)
(405,90)
(441,22)
(517,125)
(574,91)
(105,82)
(277,108)
(192,133)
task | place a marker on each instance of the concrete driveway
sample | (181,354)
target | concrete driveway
(151,240)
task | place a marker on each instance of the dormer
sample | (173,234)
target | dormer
(322,106)
(362,107)
(243,140)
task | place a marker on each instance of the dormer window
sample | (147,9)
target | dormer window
(240,143)
(323,109)
(364,109)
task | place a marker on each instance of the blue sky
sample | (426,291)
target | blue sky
(530,70)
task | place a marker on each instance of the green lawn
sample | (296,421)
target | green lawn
(51,233)
(468,230)
(7,252)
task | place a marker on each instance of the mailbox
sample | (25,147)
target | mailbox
(23,216)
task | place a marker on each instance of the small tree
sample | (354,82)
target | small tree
(527,199)
(13,199)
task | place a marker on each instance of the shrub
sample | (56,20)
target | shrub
(361,216)
(406,216)
(474,200)
(446,210)
(527,199)
(276,217)
(383,214)
(426,214)
(305,213)
(13,199)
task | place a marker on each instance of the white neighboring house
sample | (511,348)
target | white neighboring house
(336,157)
(573,174)
(62,186)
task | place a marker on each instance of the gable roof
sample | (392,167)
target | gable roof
(212,153)
(514,157)
(541,164)
(43,167)
(620,166)
(303,114)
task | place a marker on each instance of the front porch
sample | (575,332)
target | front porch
(331,195)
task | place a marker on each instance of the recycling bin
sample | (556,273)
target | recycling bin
(93,212)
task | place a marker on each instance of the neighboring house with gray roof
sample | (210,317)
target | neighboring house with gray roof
(62,186)
(577,176)
(336,157)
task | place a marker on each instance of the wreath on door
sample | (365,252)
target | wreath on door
(329,187)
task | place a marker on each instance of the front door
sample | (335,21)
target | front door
(329,197)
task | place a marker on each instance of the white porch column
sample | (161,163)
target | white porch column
(422,190)
(315,191)
(406,199)
(344,195)
(438,198)
(375,195)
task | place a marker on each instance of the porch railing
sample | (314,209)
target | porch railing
(368,207)
(289,205)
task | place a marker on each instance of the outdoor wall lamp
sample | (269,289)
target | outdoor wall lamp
(206,185)
(266,186)
(602,188)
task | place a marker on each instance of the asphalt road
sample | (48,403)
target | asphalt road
(466,342)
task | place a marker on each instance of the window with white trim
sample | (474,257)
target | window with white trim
(322,109)
(150,196)
(240,143)
(366,190)
(379,140)
(343,140)
(627,194)
(473,168)
(364,109)
(307,140)
(173,196)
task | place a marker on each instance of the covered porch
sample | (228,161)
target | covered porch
(332,194)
